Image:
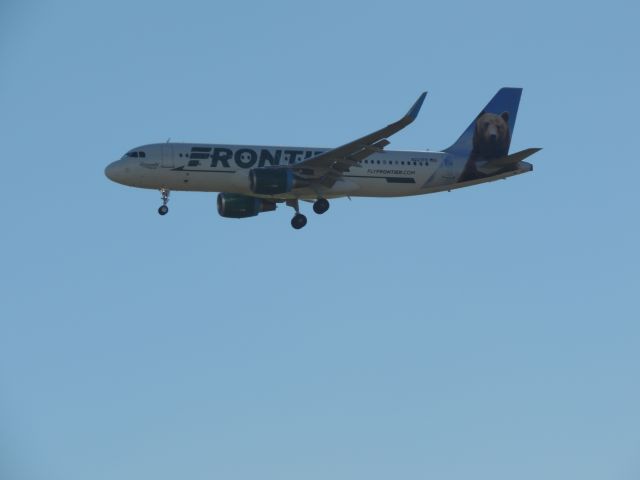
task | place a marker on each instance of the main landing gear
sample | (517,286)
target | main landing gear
(298,221)
(163,210)
(320,206)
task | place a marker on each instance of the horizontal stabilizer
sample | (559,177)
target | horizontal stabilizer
(510,160)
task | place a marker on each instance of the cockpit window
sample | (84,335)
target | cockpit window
(132,154)
(142,154)
(137,154)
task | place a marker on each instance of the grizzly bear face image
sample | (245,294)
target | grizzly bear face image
(491,137)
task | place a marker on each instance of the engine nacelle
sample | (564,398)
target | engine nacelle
(271,181)
(235,205)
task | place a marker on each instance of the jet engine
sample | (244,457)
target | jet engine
(235,205)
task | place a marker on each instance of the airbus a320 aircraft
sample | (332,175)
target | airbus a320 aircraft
(254,179)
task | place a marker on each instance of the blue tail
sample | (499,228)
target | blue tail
(489,135)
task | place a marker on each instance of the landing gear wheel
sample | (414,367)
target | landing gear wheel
(298,221)
(163,210)
(320,206)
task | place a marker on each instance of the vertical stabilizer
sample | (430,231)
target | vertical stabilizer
(488,137)
(496,122)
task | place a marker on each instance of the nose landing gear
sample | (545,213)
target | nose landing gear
(163,210)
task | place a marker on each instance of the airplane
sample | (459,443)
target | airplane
(255,179)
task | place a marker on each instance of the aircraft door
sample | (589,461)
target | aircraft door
(167,156)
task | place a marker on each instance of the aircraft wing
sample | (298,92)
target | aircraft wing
(340,159)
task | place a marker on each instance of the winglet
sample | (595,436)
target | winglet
(413,111)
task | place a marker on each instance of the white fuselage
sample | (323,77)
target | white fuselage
(225,168)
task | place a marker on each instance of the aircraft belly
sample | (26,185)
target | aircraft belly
(372,188)
(389,186)
(208,181)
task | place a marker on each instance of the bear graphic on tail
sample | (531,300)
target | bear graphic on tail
(491,139)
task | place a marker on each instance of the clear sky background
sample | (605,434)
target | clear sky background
(491,332)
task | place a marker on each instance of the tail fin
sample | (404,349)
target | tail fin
(489,135)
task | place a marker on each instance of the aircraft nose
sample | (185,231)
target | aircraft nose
(115,171)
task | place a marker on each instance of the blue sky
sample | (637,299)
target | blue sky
(490,332)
